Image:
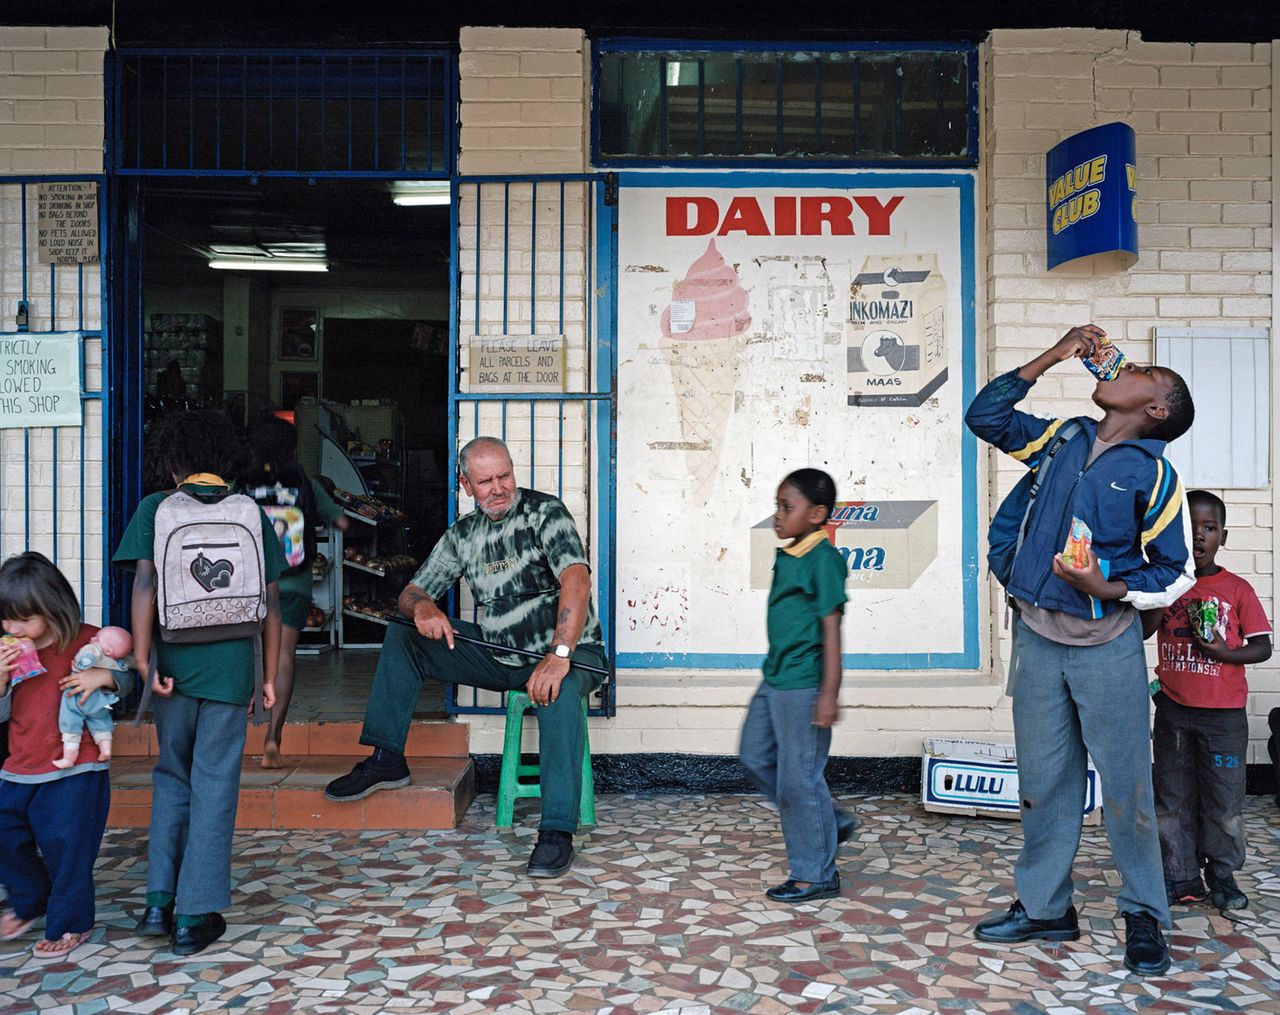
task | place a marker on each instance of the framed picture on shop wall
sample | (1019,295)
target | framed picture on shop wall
(299,333)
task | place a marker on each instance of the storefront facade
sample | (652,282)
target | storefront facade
(709,322)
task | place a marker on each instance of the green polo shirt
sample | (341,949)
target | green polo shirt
(215,671)
(807,586)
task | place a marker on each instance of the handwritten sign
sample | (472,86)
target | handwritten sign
(67,223)
(516,363)
(40,380)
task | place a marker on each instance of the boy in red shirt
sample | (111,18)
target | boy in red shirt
(1201,728)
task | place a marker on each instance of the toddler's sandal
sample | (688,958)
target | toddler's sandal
(55,951)
(12,926)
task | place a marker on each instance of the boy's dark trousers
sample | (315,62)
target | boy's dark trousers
(1200,787)
(196,785)
(64,820)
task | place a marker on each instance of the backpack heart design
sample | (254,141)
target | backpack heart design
(211,574)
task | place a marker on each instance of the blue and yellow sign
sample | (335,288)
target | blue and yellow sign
(1091,181)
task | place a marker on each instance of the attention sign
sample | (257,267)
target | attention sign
(67,223)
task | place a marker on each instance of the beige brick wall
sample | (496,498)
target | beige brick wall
(1203,118)
(51,123)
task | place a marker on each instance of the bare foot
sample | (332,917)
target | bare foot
(271,755)
(104,750)
(67,760)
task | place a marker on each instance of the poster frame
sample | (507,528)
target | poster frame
(969,657)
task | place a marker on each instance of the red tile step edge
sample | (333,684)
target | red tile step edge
(293,796)
(428,738)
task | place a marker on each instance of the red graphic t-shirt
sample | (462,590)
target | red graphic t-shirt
(1187,675)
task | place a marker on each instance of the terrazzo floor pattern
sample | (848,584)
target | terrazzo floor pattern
(663,911)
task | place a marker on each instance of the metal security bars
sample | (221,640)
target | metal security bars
(332,113)
(659,102)
(529,264)
(53,480)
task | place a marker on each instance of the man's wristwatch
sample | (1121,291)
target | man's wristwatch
(561,651)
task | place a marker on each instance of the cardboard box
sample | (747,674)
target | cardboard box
(980,779)
(886,544)
(896,332)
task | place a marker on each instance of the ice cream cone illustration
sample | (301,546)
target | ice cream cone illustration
(703,332)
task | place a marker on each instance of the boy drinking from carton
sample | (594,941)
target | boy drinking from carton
(1205,641)
(1078,676)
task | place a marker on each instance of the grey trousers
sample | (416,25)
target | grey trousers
(1069,700)
(196,787)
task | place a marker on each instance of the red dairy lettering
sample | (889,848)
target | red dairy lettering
(744,215)
(834,211)
(877,213)
(705,215)
(784,216)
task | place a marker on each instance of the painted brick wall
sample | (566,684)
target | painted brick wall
(51,123)
(1202,114)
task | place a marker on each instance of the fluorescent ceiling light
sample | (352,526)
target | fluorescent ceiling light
(420,192)
(268,264)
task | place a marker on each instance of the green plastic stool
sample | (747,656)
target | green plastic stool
(513,770)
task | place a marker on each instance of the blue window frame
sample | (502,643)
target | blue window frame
(332,113)
(664,102)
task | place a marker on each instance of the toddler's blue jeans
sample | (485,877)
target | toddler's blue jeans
(95,713)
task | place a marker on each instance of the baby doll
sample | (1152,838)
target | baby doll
(107,650)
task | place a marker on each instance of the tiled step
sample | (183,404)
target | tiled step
(428,738)
(293,796)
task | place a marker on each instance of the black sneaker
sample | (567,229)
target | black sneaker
(1145,952)
(1015,926)
(552,856)
(381,770)
(189,940)
(1185,893)
(1224,891)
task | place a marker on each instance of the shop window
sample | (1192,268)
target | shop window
(284,113)
(858,106)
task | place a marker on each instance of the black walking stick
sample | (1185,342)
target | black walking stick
(398,619)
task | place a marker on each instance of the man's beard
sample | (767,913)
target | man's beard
(499,515)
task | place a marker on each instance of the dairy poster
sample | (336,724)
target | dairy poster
(825,321)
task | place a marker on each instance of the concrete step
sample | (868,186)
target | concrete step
(293,796)
(428,738)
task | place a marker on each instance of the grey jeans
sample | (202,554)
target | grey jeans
(196,787)
(1069,700)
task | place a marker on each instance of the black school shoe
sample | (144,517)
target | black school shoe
(157,921)
(552,856)
(381,770)
(1145,951)
(792,891)
(1185,893)
(1015,926)
(189,940)
(1224,891)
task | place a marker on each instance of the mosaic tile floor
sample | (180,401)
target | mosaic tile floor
(663,912)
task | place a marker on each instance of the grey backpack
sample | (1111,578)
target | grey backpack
(209,568)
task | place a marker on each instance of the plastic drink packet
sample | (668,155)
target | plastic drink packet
(27,664)
(1076,553)
(1206,617)
(1105,361)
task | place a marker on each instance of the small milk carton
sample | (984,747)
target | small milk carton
(896,331)
(980,779)
(885,544)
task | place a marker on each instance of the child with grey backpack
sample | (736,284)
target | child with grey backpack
(205,565)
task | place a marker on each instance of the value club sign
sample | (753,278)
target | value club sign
(1091,193)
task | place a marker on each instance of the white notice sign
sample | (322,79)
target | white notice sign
(40,380)
(67,223)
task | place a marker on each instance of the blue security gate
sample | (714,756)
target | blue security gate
(54,480)
(535,257)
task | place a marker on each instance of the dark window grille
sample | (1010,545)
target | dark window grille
(282,113)
(658,104)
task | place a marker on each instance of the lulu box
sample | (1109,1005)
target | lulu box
(886,544)
(896,333)
(980,779)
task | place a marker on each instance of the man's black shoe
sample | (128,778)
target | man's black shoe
(846,825)
(1015,926)
(1145,952)
(189,940)
(381,770)
(792,891)
(157,921)
(1224,891)
(552,855)
(1185,893)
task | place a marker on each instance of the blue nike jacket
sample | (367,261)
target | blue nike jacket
(1130,497)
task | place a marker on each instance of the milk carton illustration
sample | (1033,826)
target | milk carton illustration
(896,332)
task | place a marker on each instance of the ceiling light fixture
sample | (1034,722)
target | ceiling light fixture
(409,193)
(268,264)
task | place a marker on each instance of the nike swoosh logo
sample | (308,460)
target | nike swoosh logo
(1120,488)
